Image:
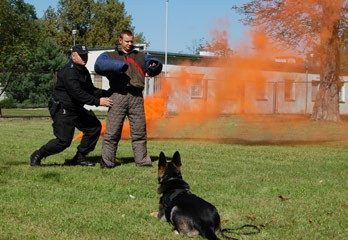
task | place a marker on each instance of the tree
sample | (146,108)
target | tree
(98,23)
(17,26)
(307,25)
(196,46)
(49,59)
(20,33)
(32,49)
(34,77)
(49,22)
(16,69)
(28,60)
(219,44)
(108,21)
(344,52)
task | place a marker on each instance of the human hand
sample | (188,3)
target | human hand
(106,102)
(152,64)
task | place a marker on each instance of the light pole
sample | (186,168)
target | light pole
(166,43)
(74,32)
(309,64)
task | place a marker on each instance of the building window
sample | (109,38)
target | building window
(261,91)
(315,87)
(157,84)
(198,86)
(197,91)
(98,81)
(342,94)
(147,86)
(289,90)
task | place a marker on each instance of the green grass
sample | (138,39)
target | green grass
(241,165)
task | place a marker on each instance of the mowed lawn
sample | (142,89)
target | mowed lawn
(284,174)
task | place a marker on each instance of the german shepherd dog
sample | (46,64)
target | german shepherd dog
(189,214)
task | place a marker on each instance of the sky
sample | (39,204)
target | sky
(189,21)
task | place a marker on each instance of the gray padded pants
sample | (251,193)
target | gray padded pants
(129,104)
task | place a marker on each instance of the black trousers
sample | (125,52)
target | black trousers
(64,124)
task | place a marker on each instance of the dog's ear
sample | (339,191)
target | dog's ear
(162,160)
(177,159)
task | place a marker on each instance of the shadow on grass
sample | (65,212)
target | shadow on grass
(250,142)
(96,160)
(67,162)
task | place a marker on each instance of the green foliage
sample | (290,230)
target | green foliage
(33,49)
(243,179)
(49,22)
(34,77)
(98,23)
(18,26)
(50,58)
(73,14)
(20,32)
(7,103)
(17,50)
(15,73)
(109,19)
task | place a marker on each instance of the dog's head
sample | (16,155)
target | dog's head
(169,170)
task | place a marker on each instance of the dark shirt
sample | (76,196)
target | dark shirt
(74,87)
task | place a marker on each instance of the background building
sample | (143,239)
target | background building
(289,85)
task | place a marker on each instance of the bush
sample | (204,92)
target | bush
(8,103)
(29,104)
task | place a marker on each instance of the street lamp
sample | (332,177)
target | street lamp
(74,32)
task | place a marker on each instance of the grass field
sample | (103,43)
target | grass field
(285,174)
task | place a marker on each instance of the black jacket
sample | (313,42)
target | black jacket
(74,87)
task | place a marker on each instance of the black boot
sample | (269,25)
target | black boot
(80,159)
(35,158)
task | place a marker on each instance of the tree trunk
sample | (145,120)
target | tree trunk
(326,106)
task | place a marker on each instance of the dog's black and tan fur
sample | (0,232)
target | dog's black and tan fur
(189,214)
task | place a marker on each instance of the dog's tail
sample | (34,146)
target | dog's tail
(240,231)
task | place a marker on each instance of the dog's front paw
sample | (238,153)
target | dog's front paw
(154,214)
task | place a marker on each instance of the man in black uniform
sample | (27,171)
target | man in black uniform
(74,89)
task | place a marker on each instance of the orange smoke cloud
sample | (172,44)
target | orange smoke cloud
(222,85)
(220,89)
